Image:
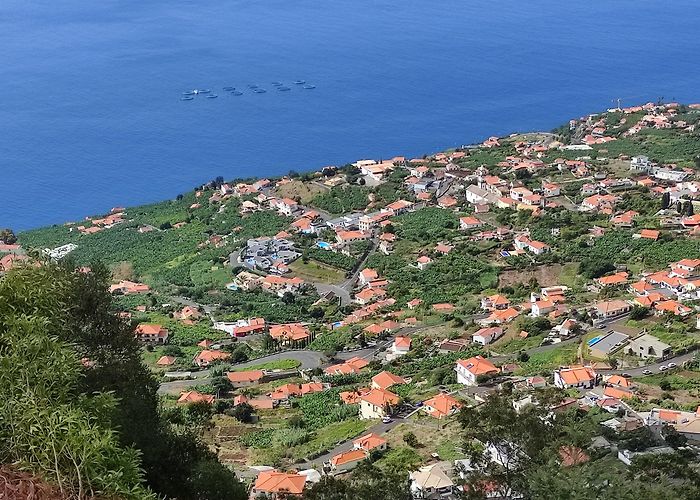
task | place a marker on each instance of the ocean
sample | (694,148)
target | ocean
(91,116)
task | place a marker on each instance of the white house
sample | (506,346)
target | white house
(377,403)
(469,369)
(542,307)
(485,336)
(582,377)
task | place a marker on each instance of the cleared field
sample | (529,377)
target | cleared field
(305,191)
(316,272)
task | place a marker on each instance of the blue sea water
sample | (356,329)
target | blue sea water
(91,116)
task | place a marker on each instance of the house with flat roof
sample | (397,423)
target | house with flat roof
(647,346)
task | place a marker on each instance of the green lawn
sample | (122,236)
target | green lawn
(326,437)
(544,362)
(569,275)
(281,364)
(316,272)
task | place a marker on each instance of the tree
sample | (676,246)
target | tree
(665,200)
(410,439)
(639,312)
(242,412)
(267,343)
(288,298)
(367,482)
(172,350)
(517,439)
(76,310)
(7,236)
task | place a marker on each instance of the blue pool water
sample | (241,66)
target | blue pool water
(323,245)
(91,113)
(594,340)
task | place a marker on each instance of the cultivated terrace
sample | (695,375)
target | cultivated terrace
(451,326)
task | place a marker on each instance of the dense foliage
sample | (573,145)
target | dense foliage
(89,426)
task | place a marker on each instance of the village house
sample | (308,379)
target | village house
(129,288)
(245,378)
(647,346)
(368,295)
(208,357)
(523,242)
(352,365)
(616,279)
(580,377)
(151,333)
(541,308)
(495,302)
(385,379)
(370,442)
(441,406)
(286,391)
(287,206)
(400,346)
(443,307)
(194,397)
(612,308)
(281,285)
(276,485)
(377,403)
(347,237)
(468,223)
(400,207)
(431,483)
(499,317)
(469,370)
(550,189)
(166,361)
(291,334)
(345,461)
(447,202)
(187,312)
(423,262)
(485,336)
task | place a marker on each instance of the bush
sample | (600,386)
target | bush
(242,412)
(411,440)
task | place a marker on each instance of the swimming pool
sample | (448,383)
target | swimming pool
(323,245)
(594,340)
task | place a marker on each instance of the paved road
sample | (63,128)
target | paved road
(343,290)
(654,368)
(339,291)
(308,359)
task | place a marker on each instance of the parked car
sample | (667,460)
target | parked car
(672,365)
(627,375)
(663,368)
(386,420)
(646,372)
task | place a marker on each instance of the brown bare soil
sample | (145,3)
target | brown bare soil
(546,275)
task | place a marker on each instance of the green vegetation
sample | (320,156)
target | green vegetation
(334,259)
(314,271)
(449,278)
(341,200)
(91,427)
(281,364)
(530,443)
(544,362)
